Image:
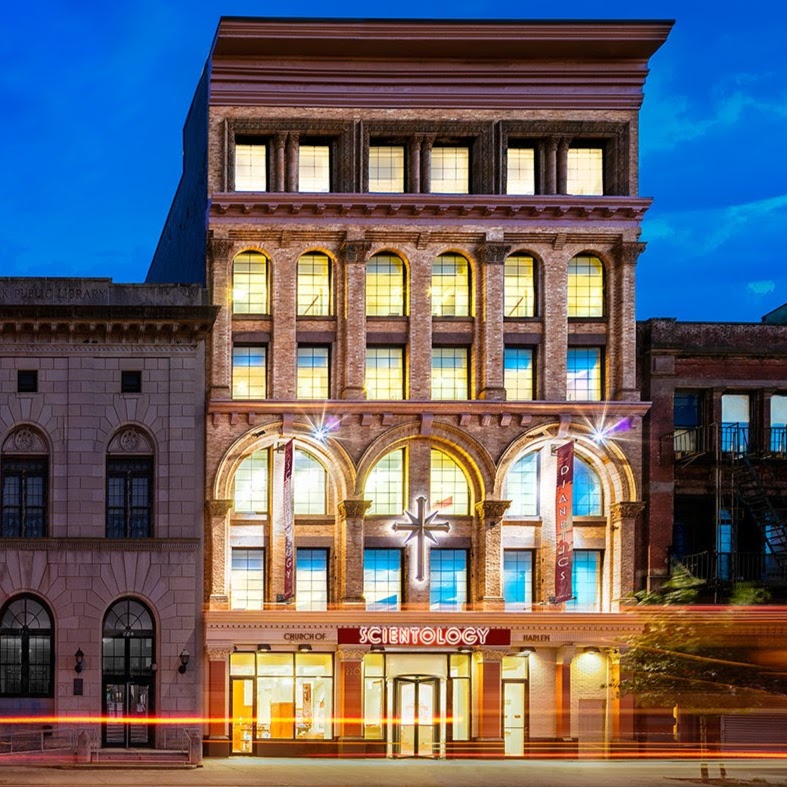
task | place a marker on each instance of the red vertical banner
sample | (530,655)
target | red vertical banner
(564,553)
(288,524)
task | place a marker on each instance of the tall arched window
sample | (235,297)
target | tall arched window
(585,287)
(26,649)
(587,490)
(385,286)
(520,287)
(24,479)
(449,489)
(314,285)
(251,484)
(450,286)
(130,473)
(250,283)
(385,484)
(309,484)
(521,486)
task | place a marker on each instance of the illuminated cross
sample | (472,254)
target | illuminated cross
(421,527)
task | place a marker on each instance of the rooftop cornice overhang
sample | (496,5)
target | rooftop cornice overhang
(413,209)
(439,39)
(340,407)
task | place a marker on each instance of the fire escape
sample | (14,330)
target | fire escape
(743,473)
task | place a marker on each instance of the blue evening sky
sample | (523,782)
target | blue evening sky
(94,96)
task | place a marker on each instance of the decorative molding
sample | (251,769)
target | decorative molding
(218,508)
(24,440)
(628,253)
(354,509)
(355,251)
(351,654)
(218,654)
(488,654)
(492,511)
(629,509)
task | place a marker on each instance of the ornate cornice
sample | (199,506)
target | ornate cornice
(354,509)
(625,510)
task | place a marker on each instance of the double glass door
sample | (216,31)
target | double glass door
(127,709)
(417,716)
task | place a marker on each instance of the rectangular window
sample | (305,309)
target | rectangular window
(386,484)
(386,169)
(251,167)
(686,415)
(583,366)
(251,484)
(131,382)
(308,480)
(518,373)
(586,581)
(518,579)
(311,579)
(522,486)
(312,374)
(450,170)
(249,372)
(247,584)
(459,671)
(374,721)
(778,438)
(314,168)
(448,579)
(385,373)
(450,373)
(735,409)
(585,171)
(24,492)
(382,579)
(521,171)
(27,381)
(129,497)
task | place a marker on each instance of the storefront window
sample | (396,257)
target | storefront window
(460,696)
(374,697)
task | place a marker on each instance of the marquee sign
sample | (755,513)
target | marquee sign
(428,636)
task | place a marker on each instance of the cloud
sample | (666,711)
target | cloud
(764,287)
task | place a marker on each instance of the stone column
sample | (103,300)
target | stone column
(350,678)
(620,549)
(217,555)
(489,548)
(623,338)
(563,660)
(420,323)
(552,358)
(562,166)
(283,350)
(292,161)
(426,164)
(219,372)
(550,179)
(414,173)
(218,704)
(351,540)
(279,162)
(353,355)
(490,697)
(490,325)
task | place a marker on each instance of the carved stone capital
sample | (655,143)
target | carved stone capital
(488,654)
(218,654)
(492,511)
(628,253)
(354,509)
(219,248)
(493,253)
(355,251)
(629,509)
(351,654)
(218,508)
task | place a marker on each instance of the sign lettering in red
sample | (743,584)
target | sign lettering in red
(424,636)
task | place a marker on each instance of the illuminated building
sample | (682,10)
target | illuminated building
(422,237)
(101,426)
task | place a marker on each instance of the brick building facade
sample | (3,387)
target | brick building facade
(424,263)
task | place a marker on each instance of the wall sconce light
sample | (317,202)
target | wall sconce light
(153,666)
(184,661)
(592,650)
(377,649)
(79,658)
(527,651)
(263,646)
(305,648)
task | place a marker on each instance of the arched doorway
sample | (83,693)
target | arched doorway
(128,672)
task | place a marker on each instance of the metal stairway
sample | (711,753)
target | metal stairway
(750,489)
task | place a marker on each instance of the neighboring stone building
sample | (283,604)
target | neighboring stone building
(101,456)
(422,238)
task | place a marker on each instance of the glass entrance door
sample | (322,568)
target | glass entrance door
(242,715)
(127,708)
(416,716)
(514,718)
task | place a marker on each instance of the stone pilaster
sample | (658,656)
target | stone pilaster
(351,543)
(353,355)
(218,705)
(219,371)
(292,161)
(217,555)
(490,326)
(552,354)
(283,352)
(414,184)
(563,658)
(620,549)
(550,174)
(279,161)
(488,536)
(419,346)
(350,693)
(562,166)
(490,695)
(426,164)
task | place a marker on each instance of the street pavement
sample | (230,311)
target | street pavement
(270,772)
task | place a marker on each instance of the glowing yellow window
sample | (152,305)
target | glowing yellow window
(450,492)
(585,171)
(250,167)
(585,287)
(314,285)
(450,370)
(249,372)
(450,286)
(250,283)
(385,286)
(520,289)
(521,171)
(385,372)
(450,170)
(314,168)
(312,373)
(386,169)
(251,484)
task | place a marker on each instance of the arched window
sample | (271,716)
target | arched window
(314,285)
(385,286)
(24,480)
(521,486)
(450,286)
(250,283)
(520,288)
(251,484)
(26,649)
(585,287)
(309,484)
(129,500)
(448,485)
(587,490)
(385,484)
